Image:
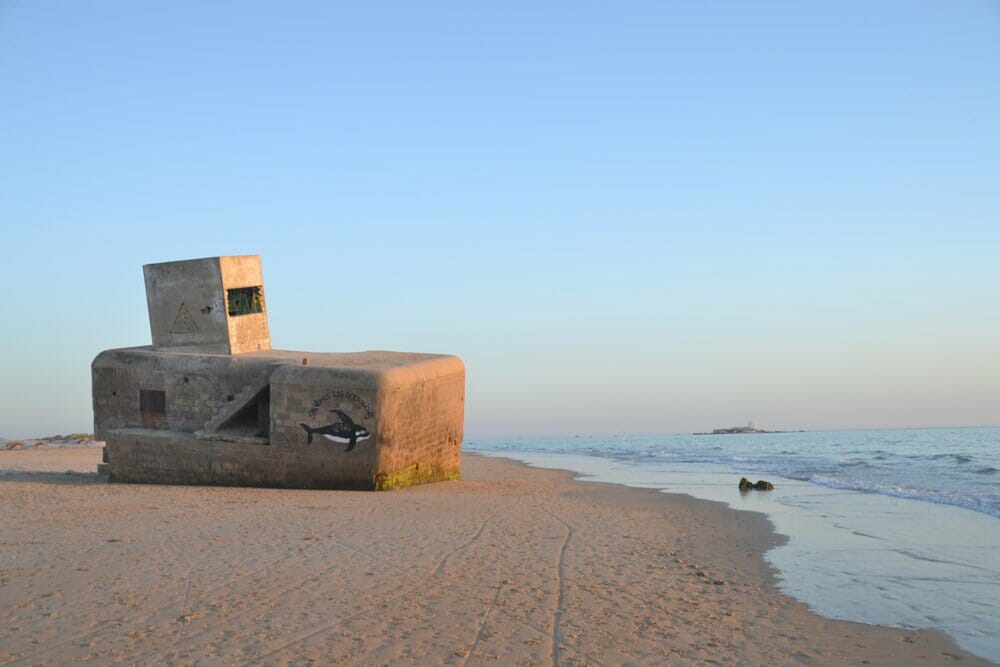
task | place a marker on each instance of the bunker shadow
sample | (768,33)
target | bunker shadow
(67,478)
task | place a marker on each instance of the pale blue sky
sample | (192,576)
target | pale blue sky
(625,217)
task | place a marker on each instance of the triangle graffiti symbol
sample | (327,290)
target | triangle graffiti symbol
(183,323)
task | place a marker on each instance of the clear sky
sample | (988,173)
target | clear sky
(626,217)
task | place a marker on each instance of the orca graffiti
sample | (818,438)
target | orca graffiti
(344,431)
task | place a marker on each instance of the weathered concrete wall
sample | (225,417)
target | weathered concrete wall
(366,420)
(420,421)
(309,395)
(187,306)
(412,406)
(170,457)
(195,385)
(247,333)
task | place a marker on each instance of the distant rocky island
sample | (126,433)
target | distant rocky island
(749,428)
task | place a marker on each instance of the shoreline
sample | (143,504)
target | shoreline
(514,563)
(855,556)
(761,504)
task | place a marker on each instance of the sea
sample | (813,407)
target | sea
(895,527)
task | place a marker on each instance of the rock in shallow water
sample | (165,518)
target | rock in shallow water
(761,485)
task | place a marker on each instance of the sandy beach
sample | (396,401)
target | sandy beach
(511,565)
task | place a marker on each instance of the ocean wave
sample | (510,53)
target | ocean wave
(984,504)
(957,458)
(955,468)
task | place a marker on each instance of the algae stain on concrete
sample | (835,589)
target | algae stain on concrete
(415,474)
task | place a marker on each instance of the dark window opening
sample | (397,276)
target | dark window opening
(245,300)
(153,408)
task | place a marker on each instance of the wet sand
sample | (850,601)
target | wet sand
(512,565)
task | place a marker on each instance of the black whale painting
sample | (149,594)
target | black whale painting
(344,431)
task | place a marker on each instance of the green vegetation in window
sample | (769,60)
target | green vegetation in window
(245,300)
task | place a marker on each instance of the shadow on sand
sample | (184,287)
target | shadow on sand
(70,477)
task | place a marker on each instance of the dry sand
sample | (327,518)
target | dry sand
(513,565)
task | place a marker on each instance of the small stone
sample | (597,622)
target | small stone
(745,484)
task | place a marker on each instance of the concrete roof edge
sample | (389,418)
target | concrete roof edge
(422,370)
(197,259)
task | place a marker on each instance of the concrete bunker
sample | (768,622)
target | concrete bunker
(209,402)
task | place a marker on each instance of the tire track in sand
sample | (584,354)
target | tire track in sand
(398,593)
